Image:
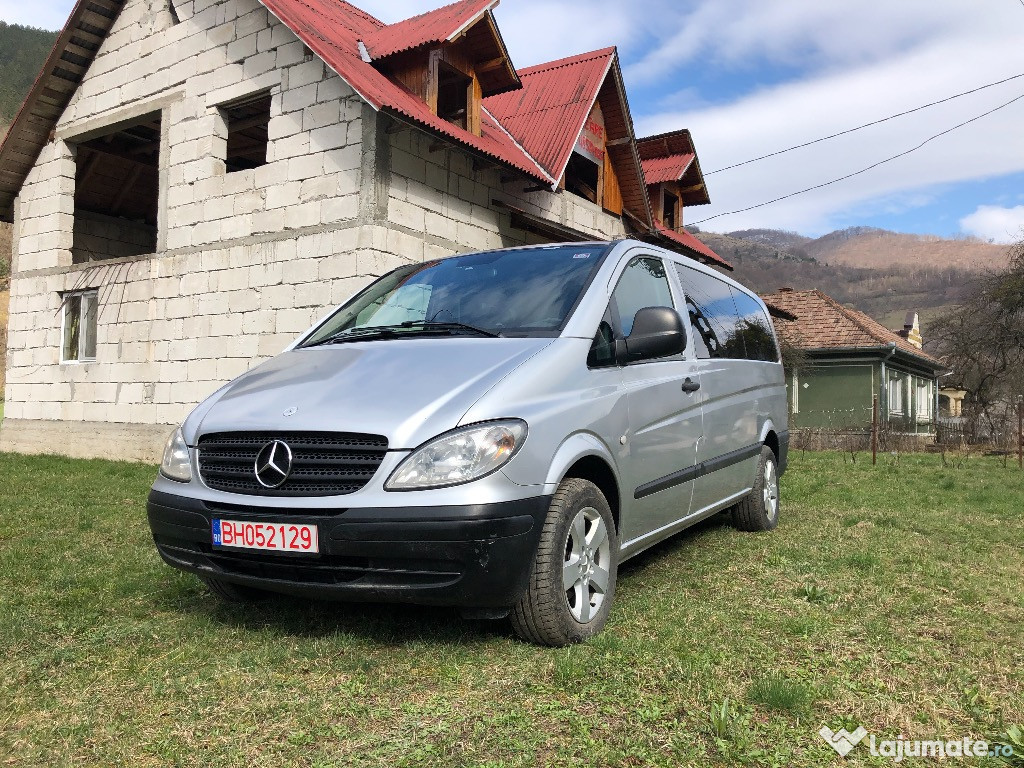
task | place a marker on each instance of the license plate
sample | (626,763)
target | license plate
(274,537)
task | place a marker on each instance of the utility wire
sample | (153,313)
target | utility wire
(868,125)
(870,167)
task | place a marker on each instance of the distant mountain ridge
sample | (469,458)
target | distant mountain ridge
(875,248)
(884,274)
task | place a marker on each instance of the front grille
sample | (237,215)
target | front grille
(323,463)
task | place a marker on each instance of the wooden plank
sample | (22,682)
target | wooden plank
(612,201)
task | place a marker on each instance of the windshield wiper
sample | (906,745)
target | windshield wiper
(408,328)
(442,325)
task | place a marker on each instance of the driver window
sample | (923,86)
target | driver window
(643,284)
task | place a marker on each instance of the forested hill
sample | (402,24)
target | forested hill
(884,274)
(22,53)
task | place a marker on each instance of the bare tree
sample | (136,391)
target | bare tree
(982,340)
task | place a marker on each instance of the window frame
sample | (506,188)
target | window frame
(922,387)
(895,387)
(611,314)
(81,358)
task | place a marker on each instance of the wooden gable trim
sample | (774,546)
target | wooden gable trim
(72,54)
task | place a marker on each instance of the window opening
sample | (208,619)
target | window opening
(117,189)
(247,133)
(453,95)
(670,204)
(582,177)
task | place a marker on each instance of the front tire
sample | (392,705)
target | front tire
(572,580)
(759,511)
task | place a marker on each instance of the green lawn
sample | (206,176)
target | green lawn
(889,597)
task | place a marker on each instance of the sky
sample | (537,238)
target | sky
(749,78)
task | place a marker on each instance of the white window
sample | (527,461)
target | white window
(78,340)
(895,394)
(924,399)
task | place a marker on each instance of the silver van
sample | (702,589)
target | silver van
(496,431)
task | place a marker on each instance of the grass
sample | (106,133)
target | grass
(715,655)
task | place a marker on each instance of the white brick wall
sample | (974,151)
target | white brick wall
(245,260)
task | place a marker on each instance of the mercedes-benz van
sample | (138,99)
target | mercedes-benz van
(495,431)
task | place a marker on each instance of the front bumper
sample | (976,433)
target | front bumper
(472,556)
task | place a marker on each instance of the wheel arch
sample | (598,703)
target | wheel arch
(586,457)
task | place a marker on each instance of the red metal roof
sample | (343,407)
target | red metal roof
(332,29)
(662,169)
(433,27)
(547,114)
(684,238)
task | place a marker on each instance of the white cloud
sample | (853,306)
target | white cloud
(536,31)
(1000,225)
(44,14)
(825,102)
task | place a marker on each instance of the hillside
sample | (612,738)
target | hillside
(886,292)
(879,249)
(22,53)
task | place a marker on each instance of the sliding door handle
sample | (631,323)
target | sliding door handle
(689,385)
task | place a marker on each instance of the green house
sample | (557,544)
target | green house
(848,358)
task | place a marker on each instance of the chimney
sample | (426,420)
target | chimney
(912,330)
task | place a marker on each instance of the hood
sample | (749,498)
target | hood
(408,390)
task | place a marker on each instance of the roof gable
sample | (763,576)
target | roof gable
(471,19)
(822,323)
(671,157)
(547,114)
(547,117)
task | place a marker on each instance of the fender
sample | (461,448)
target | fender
(783,435)
(575,447)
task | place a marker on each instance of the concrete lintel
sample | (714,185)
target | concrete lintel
(101,125)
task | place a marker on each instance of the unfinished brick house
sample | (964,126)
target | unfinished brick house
(193,183)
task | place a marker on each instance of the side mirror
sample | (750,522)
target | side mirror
(657,332)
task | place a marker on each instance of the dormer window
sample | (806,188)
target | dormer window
(583,177)
(454,95)
(451,59)
(670,210)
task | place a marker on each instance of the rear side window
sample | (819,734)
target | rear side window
(712,312)
(643,284)
(754,329)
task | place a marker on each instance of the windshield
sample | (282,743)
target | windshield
(527,292)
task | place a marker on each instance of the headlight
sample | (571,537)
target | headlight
(459,456)
(176,464)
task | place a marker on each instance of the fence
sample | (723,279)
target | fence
(998,431)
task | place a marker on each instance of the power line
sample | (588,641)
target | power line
(868,125)
(870,167)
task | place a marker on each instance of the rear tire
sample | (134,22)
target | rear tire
(233,593)
(759,511)
(572,580)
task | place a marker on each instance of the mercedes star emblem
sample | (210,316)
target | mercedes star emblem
(273,464)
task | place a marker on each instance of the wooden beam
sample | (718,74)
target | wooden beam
(487,66)
(88,168)
(127,187)
(248,122)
